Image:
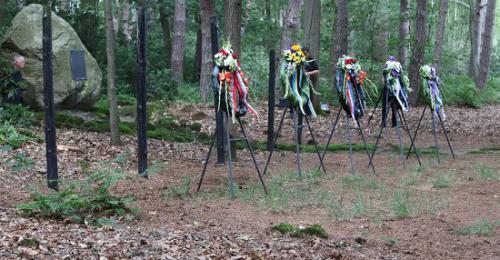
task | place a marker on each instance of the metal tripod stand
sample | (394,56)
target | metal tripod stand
(297,145)
(349,128)
(229,159)
(399,119)
(433,132)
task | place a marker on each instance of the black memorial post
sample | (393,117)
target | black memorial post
(271,100)
(48,90)
(141,92)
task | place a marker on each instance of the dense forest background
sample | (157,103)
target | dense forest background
(373,30)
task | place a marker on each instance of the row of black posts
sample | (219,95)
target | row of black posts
(50,126)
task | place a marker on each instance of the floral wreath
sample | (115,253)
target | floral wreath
(233,82)
(296,83)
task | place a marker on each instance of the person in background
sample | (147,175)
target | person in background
(10,85)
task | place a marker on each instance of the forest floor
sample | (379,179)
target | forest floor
(449,210)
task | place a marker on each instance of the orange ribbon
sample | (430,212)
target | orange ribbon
(362,76)
(225,76)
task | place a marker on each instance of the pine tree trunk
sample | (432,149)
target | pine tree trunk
(124,28)
(484,64)
(381,43)
(404,31)
(207,10)
(417,57)
(477,17)
(312,25)
(341,30)
(167,37)
(177,61)
(197,54)
(291,24)
(232,31)
(232,23)
(438,44)
(110,52)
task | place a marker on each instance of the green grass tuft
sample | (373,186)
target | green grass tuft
(313,230)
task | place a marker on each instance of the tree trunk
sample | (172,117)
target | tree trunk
(177,61)
(484,65)
(381,39)
(110,52)
(232,31)
(125,28)
(232,23)
(291,24)
(341,30)
(404,31)
(312,24)
(197,54)
(207,10)
(476,26)
(167,37)
(417,57)
(438,45)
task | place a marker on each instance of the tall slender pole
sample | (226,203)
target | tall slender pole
(270,100)
(141,92)
(219,117)
(48,89)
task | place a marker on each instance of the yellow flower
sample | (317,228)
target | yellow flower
(296,47)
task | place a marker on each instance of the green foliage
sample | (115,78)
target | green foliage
(481,228)
(82,201)
(460,91)
(16,115)
(486,173)
(181,192)
(9,135)
(20,162)
(390,241)
(313,230)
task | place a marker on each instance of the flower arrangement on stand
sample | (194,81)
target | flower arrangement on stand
(296,83)
(397,82)
(430,87)
(349,82)
(233,84)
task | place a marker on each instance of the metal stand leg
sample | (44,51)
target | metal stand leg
(446,135)
(253,155)
(331,135)
(364,142)
(374,109)
(412,138)
(229,159)
(275,140)
(415,135)
(297,145)
(349,137)
(206,162)
(398,130)
(435,137)
(378,138)
(315,144)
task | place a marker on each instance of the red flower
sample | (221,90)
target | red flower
(223,52)
(235,56)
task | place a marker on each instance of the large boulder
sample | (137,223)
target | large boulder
(25,37)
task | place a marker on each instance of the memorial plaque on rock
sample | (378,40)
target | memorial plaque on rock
(77,61)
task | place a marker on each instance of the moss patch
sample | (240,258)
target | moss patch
(313,230)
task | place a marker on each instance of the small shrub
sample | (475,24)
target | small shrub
(400,204)
(20,162)
(16,115)
(181,192)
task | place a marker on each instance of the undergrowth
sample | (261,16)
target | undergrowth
(313,230)
(87,201)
